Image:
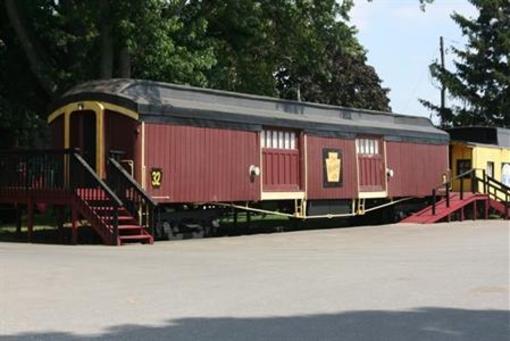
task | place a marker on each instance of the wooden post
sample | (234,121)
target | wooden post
(30,221)
(74,225)
(462,188)
(473,182)
(18,219)
(434,201)
(447,190)
(484,182)
(506,205)
(60,223)
(475,210)
(486,208)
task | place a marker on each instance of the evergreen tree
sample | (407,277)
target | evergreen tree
(480,83)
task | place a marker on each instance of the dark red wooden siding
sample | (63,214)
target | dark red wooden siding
(57,133)
(417,167)
(281,169)
(315,164)
(202,164)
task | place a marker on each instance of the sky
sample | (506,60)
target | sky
(402,41)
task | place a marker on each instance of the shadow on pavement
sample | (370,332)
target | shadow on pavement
(437,324)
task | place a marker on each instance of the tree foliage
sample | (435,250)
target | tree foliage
(287,48)
(480,83)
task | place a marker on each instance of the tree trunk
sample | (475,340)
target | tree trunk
(125,63)
(36,62)
(106,67)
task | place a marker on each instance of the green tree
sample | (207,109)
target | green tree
(49,46)
(291,49)
(480,83)
(267,47)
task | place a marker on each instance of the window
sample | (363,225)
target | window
(278,139)
(489,170)
(367,146)
(463,165)
(505,173)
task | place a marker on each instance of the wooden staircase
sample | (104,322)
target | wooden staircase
(485,192)
(117,208)
(114,224)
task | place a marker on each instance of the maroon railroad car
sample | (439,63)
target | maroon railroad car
(195,150)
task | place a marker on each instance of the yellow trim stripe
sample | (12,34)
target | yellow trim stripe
(77,106)
(99,109)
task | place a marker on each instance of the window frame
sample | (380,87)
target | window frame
(459,162)
(279,139)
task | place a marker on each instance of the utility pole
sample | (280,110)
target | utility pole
(443,88)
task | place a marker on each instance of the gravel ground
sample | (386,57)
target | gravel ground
(395,282)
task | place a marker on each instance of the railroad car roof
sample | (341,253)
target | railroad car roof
(163,102)
(485,135)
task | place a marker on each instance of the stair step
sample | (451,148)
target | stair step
(142,238)
(106,209)
(121,218)
(130,227)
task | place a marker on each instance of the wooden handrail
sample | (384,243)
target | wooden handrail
(131,181)
(98,180)
(487,181)
(136,200)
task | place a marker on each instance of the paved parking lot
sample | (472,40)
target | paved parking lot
(398,282)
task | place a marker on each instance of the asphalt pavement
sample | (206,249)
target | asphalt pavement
(394,282)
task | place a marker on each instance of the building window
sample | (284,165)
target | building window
(367,146)
(505,173)
(278,139)
(490,169)
(463,165)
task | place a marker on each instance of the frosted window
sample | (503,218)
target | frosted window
(280,139)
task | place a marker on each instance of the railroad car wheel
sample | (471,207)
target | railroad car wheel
(186,229)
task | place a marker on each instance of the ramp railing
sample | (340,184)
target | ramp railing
(493,188)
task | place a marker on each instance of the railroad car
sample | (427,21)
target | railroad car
(199,151)
(483,149)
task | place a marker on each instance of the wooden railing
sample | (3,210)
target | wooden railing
(34,169)
(85,182)
(60,170)
(499,190)
(135,199)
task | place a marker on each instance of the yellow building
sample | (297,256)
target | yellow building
(480,148)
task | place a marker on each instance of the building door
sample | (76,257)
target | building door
(371,167)
(83,135)
(120,139)
(280,161)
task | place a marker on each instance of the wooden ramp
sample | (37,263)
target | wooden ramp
(485,194)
